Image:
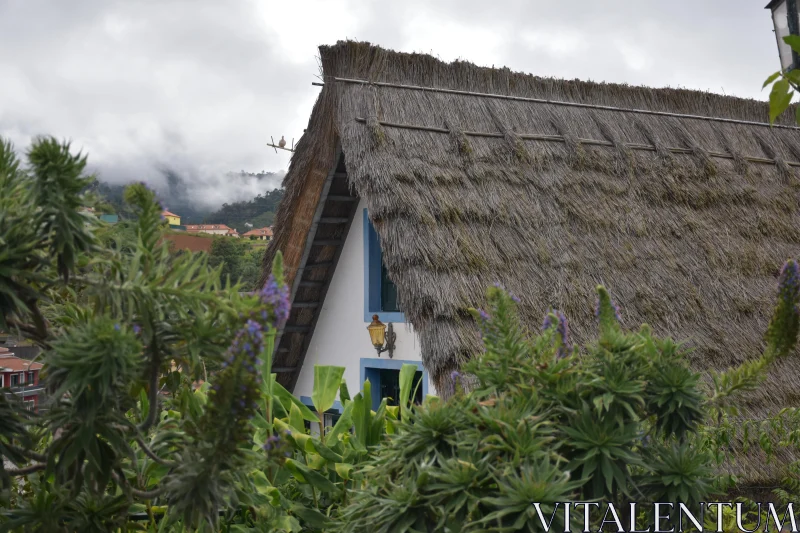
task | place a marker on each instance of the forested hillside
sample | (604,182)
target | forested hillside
(259,212)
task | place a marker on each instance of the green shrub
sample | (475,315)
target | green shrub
(620,419)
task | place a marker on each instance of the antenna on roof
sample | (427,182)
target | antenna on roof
(281,144)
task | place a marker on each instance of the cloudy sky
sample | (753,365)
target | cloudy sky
(198,86)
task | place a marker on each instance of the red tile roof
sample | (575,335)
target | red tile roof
(168,214)
(258,232)
(10,363)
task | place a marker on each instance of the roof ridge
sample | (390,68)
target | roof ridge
(560,103)
(364,60)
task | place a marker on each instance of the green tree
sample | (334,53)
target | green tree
(784,85)
(252,263)
(229,255)
(118,327)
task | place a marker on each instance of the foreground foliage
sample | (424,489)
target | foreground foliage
(131,440)
(124,332)
(621,419)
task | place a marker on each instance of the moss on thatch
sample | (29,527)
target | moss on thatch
(685,220)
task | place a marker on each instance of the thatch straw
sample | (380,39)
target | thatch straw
(686,220)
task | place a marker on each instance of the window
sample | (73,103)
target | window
(380,292)
(384,379)
(31,378)
(15,379)
(389,383)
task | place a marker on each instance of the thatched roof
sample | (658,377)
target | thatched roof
(686,220)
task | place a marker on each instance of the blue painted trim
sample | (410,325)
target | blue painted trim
(308,402)
(372,277)
(369,368)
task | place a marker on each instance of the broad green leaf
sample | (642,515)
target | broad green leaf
(260,436)
(779,99)
(263,487)
(407,373)
(312,517)
(431,400)
(304,474)
(299,438)
(772,78)
(315,461)
(793,41)
(362,414)
(793,76)
(344,470)
(326,452)
(344,393)
(259,421)
(287,523)
(342,425)
(287,399)
(296,418)
(294,467)
(326,384)
(377,424)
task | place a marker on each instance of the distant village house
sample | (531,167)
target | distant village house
(171,218)
(212,229)
(261,234)
(22,377)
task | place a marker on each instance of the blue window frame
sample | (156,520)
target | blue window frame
(380,294)
(375,370)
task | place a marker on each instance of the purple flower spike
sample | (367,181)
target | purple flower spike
(563,332)
(116,327)
(789,278)
(613,304)
(278,299)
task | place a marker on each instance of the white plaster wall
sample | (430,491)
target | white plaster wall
(340,337)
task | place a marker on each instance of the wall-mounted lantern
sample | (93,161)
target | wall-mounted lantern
(785,20)
(382,338)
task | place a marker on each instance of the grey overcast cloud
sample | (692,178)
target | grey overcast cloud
(198,86)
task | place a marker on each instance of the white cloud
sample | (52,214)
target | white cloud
(200,85)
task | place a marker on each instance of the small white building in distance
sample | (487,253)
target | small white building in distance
(213,229)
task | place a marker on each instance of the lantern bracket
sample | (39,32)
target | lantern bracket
(389,344)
